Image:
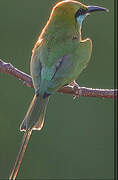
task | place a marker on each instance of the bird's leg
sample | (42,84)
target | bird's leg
(75,87)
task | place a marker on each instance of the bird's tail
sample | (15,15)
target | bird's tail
(33,120)
(20,155)
(35,116)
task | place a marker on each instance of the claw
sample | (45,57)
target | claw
(75,87)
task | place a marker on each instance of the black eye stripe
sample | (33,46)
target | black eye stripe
(80,12)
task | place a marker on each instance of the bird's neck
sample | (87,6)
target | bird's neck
(61,29)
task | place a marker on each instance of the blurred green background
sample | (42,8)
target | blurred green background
(78,136)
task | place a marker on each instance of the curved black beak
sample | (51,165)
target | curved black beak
(95,8)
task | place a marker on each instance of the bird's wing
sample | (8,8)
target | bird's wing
(62,74)
(69,66)
(35,67)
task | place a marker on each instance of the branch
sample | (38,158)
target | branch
(74,90)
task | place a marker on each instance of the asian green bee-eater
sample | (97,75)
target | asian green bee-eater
(58,57)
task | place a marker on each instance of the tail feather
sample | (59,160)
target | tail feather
(20,155)
(34,118)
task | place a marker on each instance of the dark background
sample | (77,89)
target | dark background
(77,138)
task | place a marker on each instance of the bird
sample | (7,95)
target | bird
(58,57)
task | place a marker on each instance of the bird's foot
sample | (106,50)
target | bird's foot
(75,88)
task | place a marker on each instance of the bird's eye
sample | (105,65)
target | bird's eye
(80,12)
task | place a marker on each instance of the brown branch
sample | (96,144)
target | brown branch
(81,91)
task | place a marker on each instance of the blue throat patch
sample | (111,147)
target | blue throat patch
(80,19)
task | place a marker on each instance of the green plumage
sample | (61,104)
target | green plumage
(58,57)
(31,123)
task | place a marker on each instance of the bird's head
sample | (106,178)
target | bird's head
(67,15)
(73,11)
